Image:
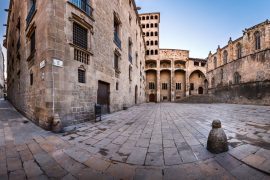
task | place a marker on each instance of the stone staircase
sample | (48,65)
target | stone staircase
(204,99)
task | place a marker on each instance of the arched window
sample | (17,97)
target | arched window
(143,26)
(257,37)
(152,25)
(143,18)
(152,17)
(147,17)
(236,78)
(147,43)
(215,62)
(225,57)
(81,74)
(152,43)
(152,52)
(156,33)
(213,82)
(156,17)
(147,52)
(147,25)
(152,34)
(156,25)
(239,51)
(156,42)
(156,52)
(147,34)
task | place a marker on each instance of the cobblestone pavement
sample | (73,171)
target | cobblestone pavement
(150,141)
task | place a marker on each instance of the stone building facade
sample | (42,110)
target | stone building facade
(240,71)
(65,56)
(2,77)
(170,73)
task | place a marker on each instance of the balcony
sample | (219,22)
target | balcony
(83,5)
(31,14)
(117,40)
(81,56)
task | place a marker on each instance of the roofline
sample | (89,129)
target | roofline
(150,13)
(174,49)
(10,7)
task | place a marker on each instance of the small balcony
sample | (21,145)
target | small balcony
(81,56)
(31,13)
(117,40)
(83,5)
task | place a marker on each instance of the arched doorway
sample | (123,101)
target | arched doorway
(136,94)
(197,82)
(200,90)
(152,98)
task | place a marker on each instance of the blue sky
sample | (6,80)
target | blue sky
(195,25)
(202,25)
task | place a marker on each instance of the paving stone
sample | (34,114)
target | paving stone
(17,175)
(171,156)
(14,164)
(26,155)
(137,156)
(31,169)
(97,164)
(154,148)
(121,171)
(142,142)
(148,174)
(86,174)
(154,159)
(187,156)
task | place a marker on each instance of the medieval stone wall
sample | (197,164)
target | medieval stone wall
(244,76)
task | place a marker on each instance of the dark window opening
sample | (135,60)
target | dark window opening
(164,86)
(191,86)
(31,79)
(33,42)
(81,76)
(178,86)
(79,36)
(151,85)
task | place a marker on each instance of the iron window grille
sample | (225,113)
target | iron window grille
(80,36)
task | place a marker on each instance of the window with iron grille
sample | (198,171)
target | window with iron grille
(81,76)
(33,42)
(79,36)
(151,85)
(178,86)
(116,61)
(164,86)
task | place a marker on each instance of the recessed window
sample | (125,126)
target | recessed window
(257,36)
(31,78)
(225,57)
(164,86)
(239,51)
(178,86)
(156,43)
(151,85)
(117,86)
(79,36)
(81,76)
(33,42)
(196,63)
(191,86)
(116,61)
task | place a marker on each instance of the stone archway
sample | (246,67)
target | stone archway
(197,83)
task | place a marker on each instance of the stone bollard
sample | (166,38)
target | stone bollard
(217,139)
(56,124)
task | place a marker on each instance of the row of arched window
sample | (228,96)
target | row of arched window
(149,17)
(151,43)
(257,39)
(149,25)
(147,34)
(152,52)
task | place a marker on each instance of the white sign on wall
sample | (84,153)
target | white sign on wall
(58,63)
(42,64)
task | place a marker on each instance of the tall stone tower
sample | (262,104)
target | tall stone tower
(150,26)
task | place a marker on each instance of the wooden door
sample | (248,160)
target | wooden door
(103,97)
(152,98)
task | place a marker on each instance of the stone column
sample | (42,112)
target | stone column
(158,84)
